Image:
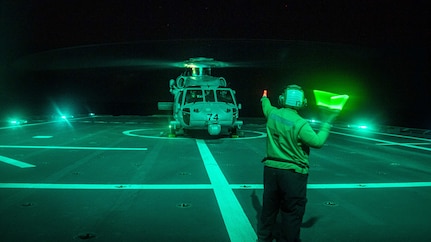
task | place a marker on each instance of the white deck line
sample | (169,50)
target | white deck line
(14,162)
(384,141)
(202,186)
(345,185)
(237,223)
(70,147)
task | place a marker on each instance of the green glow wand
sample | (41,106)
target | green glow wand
(330,100)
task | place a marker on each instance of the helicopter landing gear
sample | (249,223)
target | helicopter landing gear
(233,133)
(172,132)
(174,129)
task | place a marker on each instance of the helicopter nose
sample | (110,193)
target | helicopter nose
(214,129)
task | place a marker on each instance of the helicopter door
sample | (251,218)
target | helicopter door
(179,101)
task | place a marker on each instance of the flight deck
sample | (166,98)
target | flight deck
(123,178)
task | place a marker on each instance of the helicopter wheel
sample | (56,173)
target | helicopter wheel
(233,133)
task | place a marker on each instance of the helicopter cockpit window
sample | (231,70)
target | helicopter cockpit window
(206,71)
(193,96)
(209,96)
(224,96)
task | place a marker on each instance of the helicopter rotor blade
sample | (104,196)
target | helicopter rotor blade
(112,56)
(47,63)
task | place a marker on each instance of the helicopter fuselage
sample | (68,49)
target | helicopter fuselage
(206,108)
(202,101)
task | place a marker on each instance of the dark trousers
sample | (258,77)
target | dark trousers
(285,191)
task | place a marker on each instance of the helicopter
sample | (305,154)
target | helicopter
(202,101)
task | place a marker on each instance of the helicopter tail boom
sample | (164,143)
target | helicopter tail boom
(165,106)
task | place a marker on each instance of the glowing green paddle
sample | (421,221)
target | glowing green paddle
(330,100)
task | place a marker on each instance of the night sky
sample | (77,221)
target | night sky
(113,57)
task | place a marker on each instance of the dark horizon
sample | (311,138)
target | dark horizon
(112,58)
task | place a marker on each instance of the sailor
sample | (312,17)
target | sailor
(289,138)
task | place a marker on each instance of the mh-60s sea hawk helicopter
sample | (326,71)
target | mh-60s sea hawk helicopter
(202,101)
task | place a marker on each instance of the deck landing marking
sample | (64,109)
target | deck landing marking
(384,141)
(104,186)
(135,134)
(203,186)
(345,185)
(42,137)
(423,143)
(236,221)
(14,162)
(69,147)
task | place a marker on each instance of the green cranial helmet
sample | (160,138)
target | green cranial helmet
(293,97)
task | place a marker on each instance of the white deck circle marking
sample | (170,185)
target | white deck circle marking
(42,136)
(134,133)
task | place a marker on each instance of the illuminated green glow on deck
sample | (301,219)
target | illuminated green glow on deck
(330,100)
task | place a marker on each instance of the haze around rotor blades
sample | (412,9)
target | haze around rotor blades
(37,63)
(46,63)
(90,57)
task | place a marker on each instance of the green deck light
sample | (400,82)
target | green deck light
(330,100)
